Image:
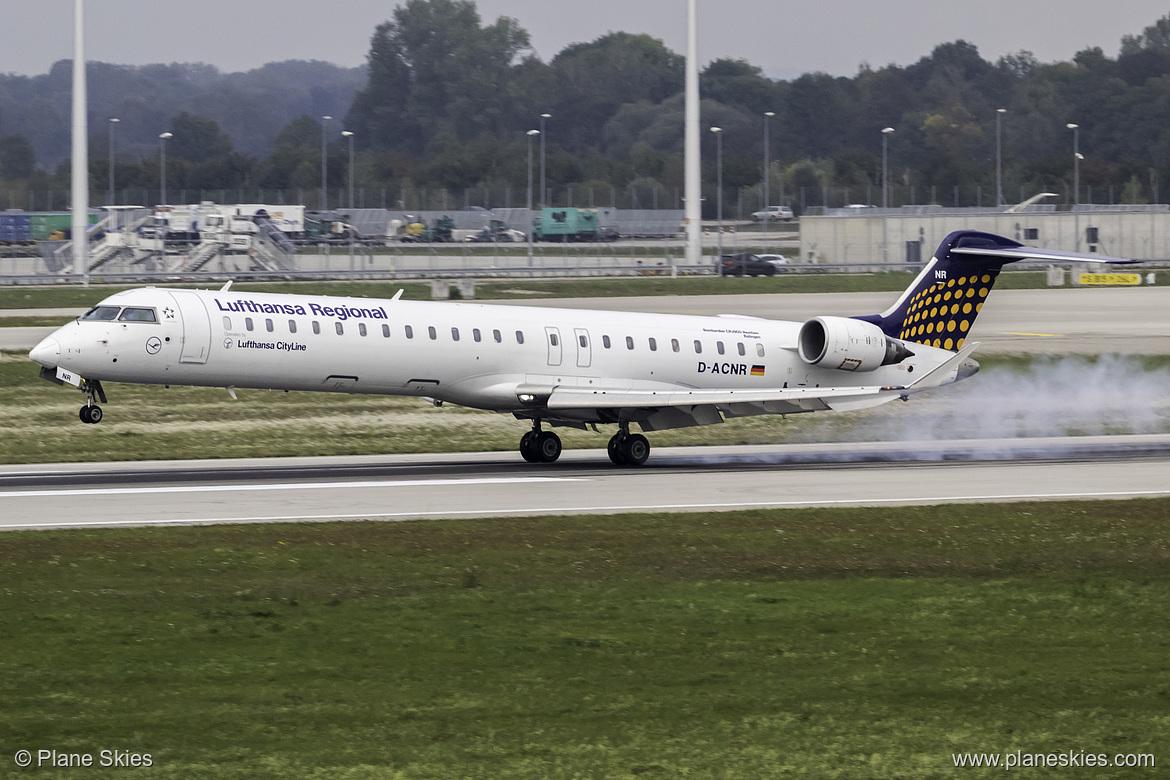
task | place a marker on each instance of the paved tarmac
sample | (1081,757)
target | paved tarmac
(707,479)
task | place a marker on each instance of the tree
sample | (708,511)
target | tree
(197,139)
(17,158)
(433,65)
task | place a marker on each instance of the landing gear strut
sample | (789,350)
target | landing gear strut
(91,413)
(539,446)
(628,449)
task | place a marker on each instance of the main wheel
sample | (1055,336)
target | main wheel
(548,447)
(614,450)
(528,447)
(635,449)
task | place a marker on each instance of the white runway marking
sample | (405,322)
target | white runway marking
(522,511)
(282,486)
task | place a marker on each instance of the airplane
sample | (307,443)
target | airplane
(560,367)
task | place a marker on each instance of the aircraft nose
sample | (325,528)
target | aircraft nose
(47,353)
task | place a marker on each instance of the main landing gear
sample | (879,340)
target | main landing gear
(628,449)
(91,413)
(625,448)
(539,446)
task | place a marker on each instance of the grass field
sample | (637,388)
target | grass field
(76,296)
(859,643)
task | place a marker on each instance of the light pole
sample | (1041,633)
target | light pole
(1076,162)
(324,164)
(110,194)
(349,135)
(885,169)
(718,131)
(999,112)
(542,189)
(162,168)
(530,134)
(767,163)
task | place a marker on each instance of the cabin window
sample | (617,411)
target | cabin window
(316,327)
(136,314)
(227,323)
(361,328)
(499,337)
(584,342)
(104,313)
(434,334)
(674,344)
(519,337)
(292,326)
(269,326)
(552,339)
(475,335)
(759,349)
(719,347)
(629,342)
(385,331)
(248,323)
(653,345)
(337,326)
(409,332)
(742,351)
(605,341)
(698,347)
(454,334)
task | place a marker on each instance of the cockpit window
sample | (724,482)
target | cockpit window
(135,314)
(103,313)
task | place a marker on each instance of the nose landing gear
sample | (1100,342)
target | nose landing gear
(91,413)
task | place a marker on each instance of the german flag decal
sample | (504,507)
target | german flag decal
(757,370)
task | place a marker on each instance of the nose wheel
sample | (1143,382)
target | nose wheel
(91,413)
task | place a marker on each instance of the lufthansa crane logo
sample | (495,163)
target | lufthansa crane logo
(153,345)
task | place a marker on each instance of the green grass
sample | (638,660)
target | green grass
(852,643)
(894,281)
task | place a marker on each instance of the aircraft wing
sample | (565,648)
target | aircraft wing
(1032,253)
(781,400)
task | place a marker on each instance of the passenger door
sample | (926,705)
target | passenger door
(196,326)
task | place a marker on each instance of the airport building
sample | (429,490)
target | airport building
(876,236)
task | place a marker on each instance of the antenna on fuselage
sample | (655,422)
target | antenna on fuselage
(226,286)
(398,294)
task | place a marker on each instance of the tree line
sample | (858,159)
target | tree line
(446,100)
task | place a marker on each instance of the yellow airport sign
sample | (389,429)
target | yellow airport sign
(1110,278)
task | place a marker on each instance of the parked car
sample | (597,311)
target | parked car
(745,264)
(774,214)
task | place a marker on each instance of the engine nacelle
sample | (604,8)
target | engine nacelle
(848,344)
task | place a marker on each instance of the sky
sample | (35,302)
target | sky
(783,37)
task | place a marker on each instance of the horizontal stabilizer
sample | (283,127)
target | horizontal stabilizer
(1011,254)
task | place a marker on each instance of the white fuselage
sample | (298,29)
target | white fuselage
(471,354)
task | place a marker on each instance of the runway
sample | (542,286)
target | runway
(705,479)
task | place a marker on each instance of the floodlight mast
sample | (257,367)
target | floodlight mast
(692,190)
(80,160)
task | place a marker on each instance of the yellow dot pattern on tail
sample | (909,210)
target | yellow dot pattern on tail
(941,315)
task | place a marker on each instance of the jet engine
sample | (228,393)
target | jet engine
(848,344)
